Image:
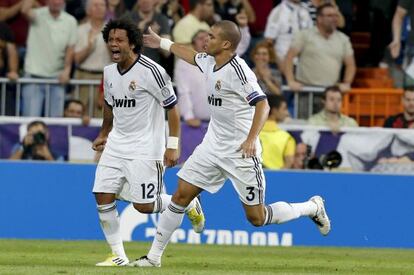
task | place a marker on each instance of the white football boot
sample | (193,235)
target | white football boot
(144,262)
(321,219)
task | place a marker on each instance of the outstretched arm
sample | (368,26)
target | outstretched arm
(153,40)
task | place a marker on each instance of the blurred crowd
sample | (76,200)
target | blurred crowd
(290,42)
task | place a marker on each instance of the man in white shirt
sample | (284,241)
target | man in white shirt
(231,148)
(132,139)
(283,22)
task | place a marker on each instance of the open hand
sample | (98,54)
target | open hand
(152,40)
(248,148)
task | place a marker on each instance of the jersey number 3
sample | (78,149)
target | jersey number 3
(250,195)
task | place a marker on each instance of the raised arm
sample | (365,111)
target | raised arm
(27,9)
(397,22)
(10,12)
(153,40)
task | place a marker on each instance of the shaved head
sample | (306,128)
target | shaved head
(229,31)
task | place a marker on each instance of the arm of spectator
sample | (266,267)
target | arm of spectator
(341,19)
(82,54)
(248,9)
(241,19)
(288,70)
(13,61)
(289,153)
(10,12)
(18,154)
(397,20)
(27,9)
(350,70)
(64,76)
(271,83)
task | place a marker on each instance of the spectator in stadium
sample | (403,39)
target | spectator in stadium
(406,118)
(283,22)
(228,10)
(9,60)
(192,91)
(9,66)
(91,53)
(404,8)
(321,52)
(312,5)
(115,9)
(35,144)
(301,153)
(172,9)
(145,15)
(10,13)
(49,55)
(278,145)
(331,115)
(75,109)
(242,22)
(195,20)
(269,79)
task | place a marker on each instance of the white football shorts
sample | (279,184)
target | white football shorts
(133,180)
(208,171)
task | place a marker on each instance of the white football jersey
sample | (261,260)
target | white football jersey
(232,94)
(137,97)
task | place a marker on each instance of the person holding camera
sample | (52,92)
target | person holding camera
(35,144)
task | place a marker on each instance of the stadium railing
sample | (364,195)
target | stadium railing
(75,85)
(305,99)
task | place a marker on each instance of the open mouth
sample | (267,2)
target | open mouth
(116,54)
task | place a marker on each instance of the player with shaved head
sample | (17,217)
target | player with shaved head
(231,148)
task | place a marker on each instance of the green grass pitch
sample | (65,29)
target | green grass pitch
(79,257)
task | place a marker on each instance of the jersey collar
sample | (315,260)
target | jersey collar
(216,69)
(130,67)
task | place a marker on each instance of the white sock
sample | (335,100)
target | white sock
(161,203)
(281,212)
(168,222)
(109,220)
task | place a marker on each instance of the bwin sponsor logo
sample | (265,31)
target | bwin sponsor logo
(123,102)
(215,101)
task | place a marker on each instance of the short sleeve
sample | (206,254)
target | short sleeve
(72,32)
(247,84)
(203,60)
(290,147)
(159,84)
(107,97)
(299,40)
(348,47)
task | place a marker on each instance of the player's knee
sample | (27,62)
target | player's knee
(147,208)
(255,220)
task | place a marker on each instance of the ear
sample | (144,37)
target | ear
(227,44)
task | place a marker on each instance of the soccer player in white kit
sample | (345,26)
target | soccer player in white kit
(132,137)
(231,148)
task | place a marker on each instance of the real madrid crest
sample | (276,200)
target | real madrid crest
(218,85)
(132,86)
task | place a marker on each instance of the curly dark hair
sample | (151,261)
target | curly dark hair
(133,33)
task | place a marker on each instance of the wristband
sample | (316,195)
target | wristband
(165,44)
(172,143)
